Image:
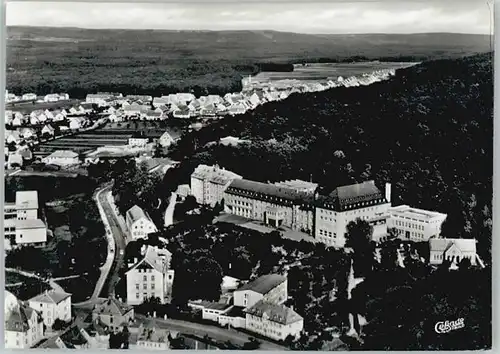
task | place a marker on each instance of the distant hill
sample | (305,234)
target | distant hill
(44,59)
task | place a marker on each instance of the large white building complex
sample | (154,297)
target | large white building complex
(139,223)
(22,226)
(274,204)
(208,183)
(348,203)
(150,276)
(415,224)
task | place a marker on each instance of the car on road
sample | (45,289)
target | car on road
(122,253)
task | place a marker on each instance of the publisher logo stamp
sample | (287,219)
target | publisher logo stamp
(448,326)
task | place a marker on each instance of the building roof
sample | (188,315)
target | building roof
(275,313)
(50,297)
(64,154)
(214,174)
(30,224)
(352,195)
(156,258)
(444,244)
(18,320)
(151,332)
(266,189)
(26,200)
(264,284)
(136,213)
(415,213)
(111,306)
(298,184)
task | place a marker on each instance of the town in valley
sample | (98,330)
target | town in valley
(311,201)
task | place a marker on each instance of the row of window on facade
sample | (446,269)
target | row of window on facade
(327,233)
(145,286)
(409,225)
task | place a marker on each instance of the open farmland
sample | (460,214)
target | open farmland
(29,106)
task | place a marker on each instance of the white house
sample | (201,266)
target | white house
(52,305)
(62,158)
(271,288)
(34,121)
(208,183)
(15,160)
(52,97)
(139,223)
(452,249)
(138,141)
(182,113)
(76,123)
(27,133)
(29,97)
(346,204)
(166,140)
(150,276)
(273,321)
(415,224)
(48,130)
(12,136)
(152,337)
(23,324)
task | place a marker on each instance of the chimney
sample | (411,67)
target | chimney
(388,192)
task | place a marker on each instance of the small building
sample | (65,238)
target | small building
(29,97)
(166,140)
(138,140)
(48,130)
(274,321)
(76,123)
(62,158)
(415,224)
(52,97)
(113,314)
(15,161)
(270,288)
(150,276)
(152,337)
(23,324)
(453,250)
(52,305)
(232,141)
(183,190)
(211,310)
(139,223)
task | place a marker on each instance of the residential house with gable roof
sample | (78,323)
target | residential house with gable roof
(347,203)
(153,337)
(112,313)
(62,158)
(23,324)
(274,321)
(139,223)
(52,305)
(453,250)
(150,276)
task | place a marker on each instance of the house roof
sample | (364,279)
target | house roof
(74,336)
(27,200)
(266,189)
(345,196)
(155,258)
(275,313)
(112,306)
(444,244)
(64,154)
(50,297)
(30,224)
(214,174)
(264,284)
(136,213)
(19,317)
(419,214)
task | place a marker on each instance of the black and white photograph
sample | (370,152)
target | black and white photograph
(308,176)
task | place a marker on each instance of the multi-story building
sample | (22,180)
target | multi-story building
(139,223)
(273,321)
(452,249)
(52,305)
(415,224)
(271,288)
(273,204)
(23,324)
(150,276)
(21,224)
(208,183)
(348,203)
(113,314)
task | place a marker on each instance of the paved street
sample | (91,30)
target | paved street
(217,333)
(169,212)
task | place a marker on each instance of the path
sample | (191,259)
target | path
(217,333)
(51,282)
(169,212)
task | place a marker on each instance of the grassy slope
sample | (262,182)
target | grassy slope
(77,60)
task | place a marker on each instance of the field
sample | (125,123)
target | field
(326,71)
(113,134)
(156,62)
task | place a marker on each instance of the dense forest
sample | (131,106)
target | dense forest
(78,61)
(428,130)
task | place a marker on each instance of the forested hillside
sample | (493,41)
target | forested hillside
(428,130)
(79,61)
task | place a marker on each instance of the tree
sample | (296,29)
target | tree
(359,234)
(59,325)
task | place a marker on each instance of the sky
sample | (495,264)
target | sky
(343,17)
